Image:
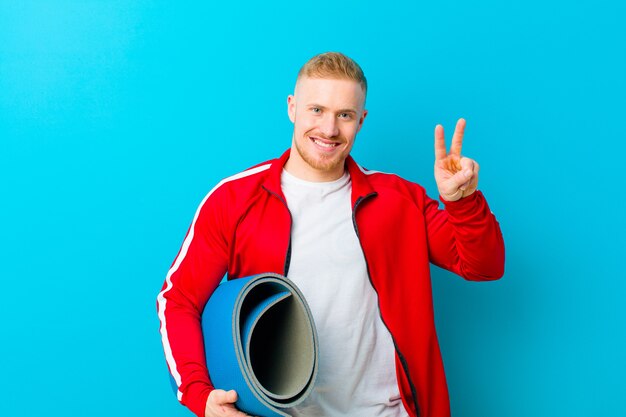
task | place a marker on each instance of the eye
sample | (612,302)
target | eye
(316,110)
(345,115)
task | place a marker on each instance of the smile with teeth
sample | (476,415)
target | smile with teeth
(324,144)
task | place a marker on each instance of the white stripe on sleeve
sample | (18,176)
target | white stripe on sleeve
(162,301)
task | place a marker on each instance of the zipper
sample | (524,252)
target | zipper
(288,254)
(403,361)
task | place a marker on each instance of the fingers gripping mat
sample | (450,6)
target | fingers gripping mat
(260,340)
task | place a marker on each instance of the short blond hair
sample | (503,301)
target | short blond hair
(333,65)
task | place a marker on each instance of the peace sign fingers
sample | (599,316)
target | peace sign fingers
(457,140)
(456,176)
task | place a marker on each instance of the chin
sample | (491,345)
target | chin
(328,164)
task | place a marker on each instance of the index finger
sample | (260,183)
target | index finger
(440,143)
(457,139)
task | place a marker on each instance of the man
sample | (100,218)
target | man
(356,242)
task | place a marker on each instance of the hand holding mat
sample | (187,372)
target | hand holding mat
(260,340)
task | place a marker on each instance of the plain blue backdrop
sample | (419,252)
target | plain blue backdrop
(116,117)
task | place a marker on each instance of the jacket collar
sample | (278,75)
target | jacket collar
(361,186)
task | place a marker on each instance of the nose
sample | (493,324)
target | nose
(329,126)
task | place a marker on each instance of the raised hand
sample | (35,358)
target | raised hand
(456,175)
(222,404)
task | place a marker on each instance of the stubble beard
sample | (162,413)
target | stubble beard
(323,163)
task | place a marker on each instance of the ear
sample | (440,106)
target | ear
(361,120)
(291,108)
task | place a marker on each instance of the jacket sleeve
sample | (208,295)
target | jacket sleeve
(465,237)
(195,273)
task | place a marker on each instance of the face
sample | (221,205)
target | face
(327,114)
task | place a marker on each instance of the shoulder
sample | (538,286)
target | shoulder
(387,182)
(252,177)
(249,179)
(235,190)
(391,189)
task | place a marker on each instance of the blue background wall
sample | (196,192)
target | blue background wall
(116,118)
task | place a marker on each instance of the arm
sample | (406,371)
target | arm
(195,273)
(465,238)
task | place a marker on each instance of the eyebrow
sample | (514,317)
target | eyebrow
(348,110)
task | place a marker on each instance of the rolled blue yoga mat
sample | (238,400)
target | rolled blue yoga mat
(260,340)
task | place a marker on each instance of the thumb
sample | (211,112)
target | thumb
(225,397)
(460,178)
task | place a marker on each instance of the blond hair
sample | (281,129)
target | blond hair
(334,65)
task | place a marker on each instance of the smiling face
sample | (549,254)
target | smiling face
(327,114)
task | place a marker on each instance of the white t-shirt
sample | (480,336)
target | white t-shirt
(356,354)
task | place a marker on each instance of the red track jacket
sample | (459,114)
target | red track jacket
(242,228)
